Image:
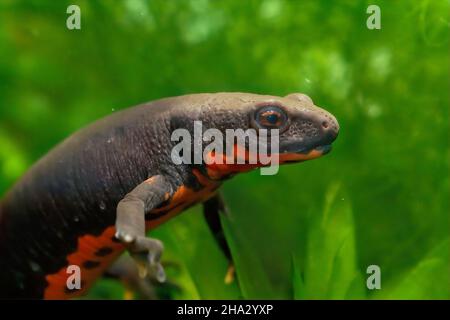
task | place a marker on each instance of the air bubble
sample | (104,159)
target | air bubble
(34,266)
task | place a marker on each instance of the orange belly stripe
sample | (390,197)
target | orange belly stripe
(87,247)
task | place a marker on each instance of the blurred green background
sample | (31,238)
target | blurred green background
(311,231)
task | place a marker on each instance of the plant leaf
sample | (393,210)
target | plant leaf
(330,270)
(429,279)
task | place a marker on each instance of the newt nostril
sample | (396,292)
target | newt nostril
(330,127)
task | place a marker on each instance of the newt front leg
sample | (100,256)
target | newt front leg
(130,224)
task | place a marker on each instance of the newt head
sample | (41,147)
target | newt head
(303,130)
(306,131)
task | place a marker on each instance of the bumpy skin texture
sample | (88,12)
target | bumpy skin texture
(60,210)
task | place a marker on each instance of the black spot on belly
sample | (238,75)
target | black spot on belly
(90,264)
(104,251)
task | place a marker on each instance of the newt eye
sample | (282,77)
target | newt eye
(271,117)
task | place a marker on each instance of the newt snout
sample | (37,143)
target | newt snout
(311,132)
(328,132)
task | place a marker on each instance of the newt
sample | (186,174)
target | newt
(98,192)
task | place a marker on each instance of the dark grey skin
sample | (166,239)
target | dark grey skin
(118,172)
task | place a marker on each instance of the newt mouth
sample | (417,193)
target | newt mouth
(326,148)
(300,148)
(305,154)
